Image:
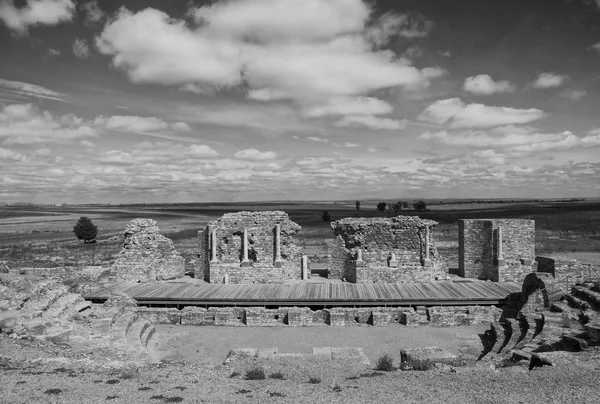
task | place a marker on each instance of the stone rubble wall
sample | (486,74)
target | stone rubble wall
(147,256)
(202,264)
(561,267)
(260,227)
(477,247)
(442,316)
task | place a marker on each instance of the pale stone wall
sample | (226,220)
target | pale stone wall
(262,266)
(561,267)
(147,255)
(481,257)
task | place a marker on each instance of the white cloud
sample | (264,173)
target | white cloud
(596,47)
(93,13)
(35,12)
(6,154)
(574,95)
(296,50)
(53,52)
(26,124)
(29,90)
(255,155)
(87,143)
(549,80)
(132,123)
(81,48)
(372,122)
(181,127)
(483,84)
(350,106)
(457,114)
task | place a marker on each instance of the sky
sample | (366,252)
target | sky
(248,100)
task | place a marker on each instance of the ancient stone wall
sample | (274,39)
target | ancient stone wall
(269,255)
(496,249)
(561,267)
(202,264)
(441,316)
(398,249)
(147,255)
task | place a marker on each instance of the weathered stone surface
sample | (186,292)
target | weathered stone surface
(425,358)
(160,315)
(478,249)
(593,330)
(392,250)
(262,265)
(147,255)
(561,267)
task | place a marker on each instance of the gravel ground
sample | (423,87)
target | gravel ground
(44,373)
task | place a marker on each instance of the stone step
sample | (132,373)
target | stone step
(576,302)
(560,307)
(134,335)
(63,306)
(499,333)
(40,305)
(530,323)
(121,326)
(576,340)
(147,335)
(516,334)
(518,354)
(583,293)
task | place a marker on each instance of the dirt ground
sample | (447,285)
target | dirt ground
(208,344)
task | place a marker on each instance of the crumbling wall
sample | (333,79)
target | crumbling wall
(202,264)
(147,255)
(262,266)
(561,267)
(479,254)
(392,250)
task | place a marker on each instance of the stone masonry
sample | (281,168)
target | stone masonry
(398,249)
(501,250)
(147,255)
(249,247)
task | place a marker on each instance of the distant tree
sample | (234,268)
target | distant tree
(420,206)
(326,217)
(404,205)
(85,230)
(357,205)
(381,206)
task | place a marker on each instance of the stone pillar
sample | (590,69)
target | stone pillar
(304,264)
(393,262)
(226,278)
(278,261)
(427,260)
(499,255)
(245,260)
(359,260)
(213,246)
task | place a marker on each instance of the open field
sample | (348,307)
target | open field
(35,235)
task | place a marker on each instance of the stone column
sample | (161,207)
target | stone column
(359,260)
(304,264)
(226,278)
(499,255)
(245,260)
(427,260)
(393,260)
(213,246)
(278,259)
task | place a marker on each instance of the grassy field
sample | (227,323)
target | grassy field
(41,236)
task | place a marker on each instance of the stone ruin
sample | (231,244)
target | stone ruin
(249,247)
(147,256)
(499,250)
(398,249)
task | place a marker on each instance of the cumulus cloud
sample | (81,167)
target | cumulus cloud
(35,12)
(93,13)
(181,127)
(455,113)
(596,47)
(574,95)
(132,123)
(372,122)
(483,84)
(6,154)
(549,80)
(28,90)
(255,155)
(350,106)
(27,124)
(296,50)
(81,48)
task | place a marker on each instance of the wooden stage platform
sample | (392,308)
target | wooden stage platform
(463,292)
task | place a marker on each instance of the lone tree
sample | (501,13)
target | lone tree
(381,206)
(357,205)
(420,206)
(85,230)
(326,217)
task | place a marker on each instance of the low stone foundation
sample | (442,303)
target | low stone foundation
(561,267)
(439,316)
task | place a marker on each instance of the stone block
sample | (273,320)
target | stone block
(299,316)
(192,315)
(381,318)
(593,330)
(160,315)
(337,317)
(410,318)
(425,358)
(322,351)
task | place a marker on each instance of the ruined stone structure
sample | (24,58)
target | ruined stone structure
(563,267)
(496,249)
(398,249)
(147,255)
(249,247)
